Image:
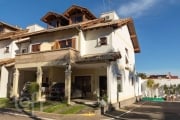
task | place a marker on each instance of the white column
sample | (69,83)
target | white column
(15,83)
(68,84)
(39,81)
(112,83)
(109,83)
(4,82)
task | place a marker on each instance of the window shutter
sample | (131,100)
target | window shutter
(35,48)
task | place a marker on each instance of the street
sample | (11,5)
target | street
(149,111)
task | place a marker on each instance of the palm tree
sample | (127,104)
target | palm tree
(150,85)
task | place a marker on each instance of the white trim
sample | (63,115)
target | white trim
(65,39)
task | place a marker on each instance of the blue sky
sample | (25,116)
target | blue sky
(157,25)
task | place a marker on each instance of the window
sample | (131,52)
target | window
(35,48)
(6,49)
(102,41)
(24,50)
(67,43)
(77,19)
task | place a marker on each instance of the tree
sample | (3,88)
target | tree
(142,75)
(166,89)
(178,88)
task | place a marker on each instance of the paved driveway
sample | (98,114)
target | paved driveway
(149,111)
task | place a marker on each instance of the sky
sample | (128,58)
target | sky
(157,24)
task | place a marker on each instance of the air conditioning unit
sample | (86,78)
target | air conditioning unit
(108,17)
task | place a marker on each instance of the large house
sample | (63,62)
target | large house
(8,49)
(7,54)
(80,51)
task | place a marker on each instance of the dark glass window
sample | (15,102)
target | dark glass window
(35,48)
(103,41)
(77,19)
(67,43)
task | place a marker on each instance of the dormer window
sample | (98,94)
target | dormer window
(77,19)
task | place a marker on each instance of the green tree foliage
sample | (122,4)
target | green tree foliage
(150,83)
(142,75)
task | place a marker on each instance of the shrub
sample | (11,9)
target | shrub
(33,87)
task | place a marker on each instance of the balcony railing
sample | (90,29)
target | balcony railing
(61,56)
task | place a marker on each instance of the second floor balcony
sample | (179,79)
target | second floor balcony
(59,57)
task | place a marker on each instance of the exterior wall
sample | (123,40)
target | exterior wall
(56,75)
(12,49)
(3,45)
(121,41)
(90,41)
(112,83)
(3,82)
(112,15)
(47,40)
(34,28)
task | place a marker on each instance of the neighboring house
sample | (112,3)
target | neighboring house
(8,49)
(93,55)
(7,53)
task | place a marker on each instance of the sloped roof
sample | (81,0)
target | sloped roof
(92,24)
(50,14)
(6,61)
(10,26)
(9,35)
(85,10)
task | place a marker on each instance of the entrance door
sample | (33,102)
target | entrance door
(83,83)
(103,85)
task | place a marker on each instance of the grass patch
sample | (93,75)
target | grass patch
(54,108)
(48,106)
(73,109)
(6,103)
(3,102)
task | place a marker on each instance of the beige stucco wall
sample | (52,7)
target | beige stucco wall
(47,40)
(56,74)
(90,41)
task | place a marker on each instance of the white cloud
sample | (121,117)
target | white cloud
(136,8)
